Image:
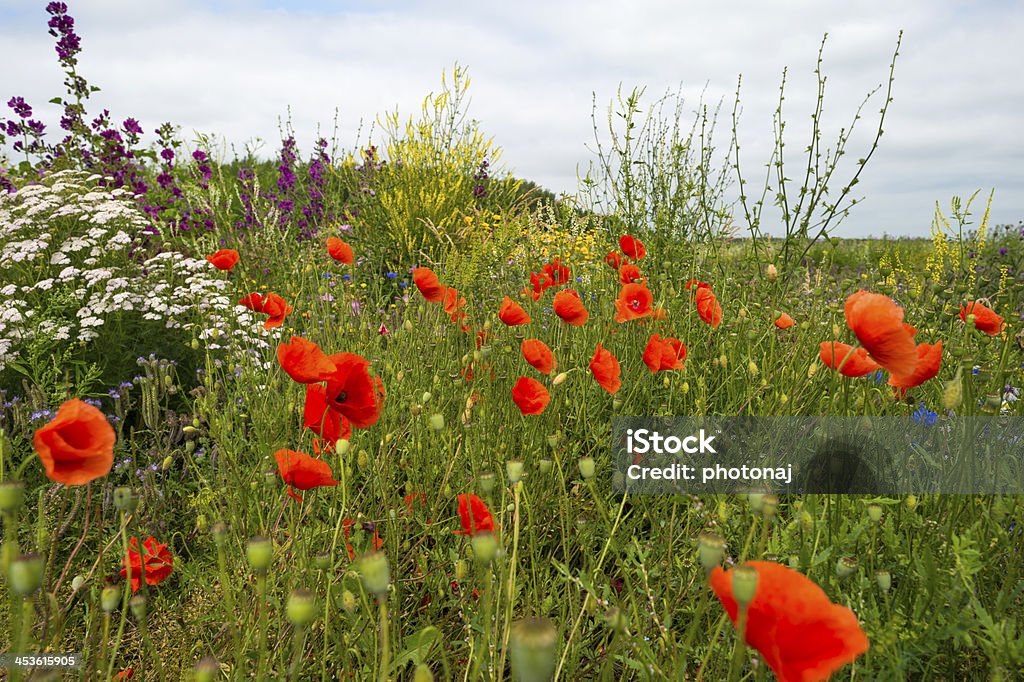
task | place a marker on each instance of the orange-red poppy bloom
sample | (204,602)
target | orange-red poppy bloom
(539,355)
(569,307)
(340,251)
(784,321)
(634,301)
(630,273)
(271,304)
(304,361)
(632,247)
(253,302)
(454,304)
(878,323)
(159,562)
(708,306)
(664,353)
(303,472)
(929,359)
(474,516)
(613,260)
(428,284)
(558,272)
(512,314)
(801,634)
(321,419)
(378,541)
(77,445)
(606,370)
(225,259)
(849,361)
(530,396)
(353,392)
(985,319)
(539,282)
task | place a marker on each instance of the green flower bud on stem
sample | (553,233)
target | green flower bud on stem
(12,496)
(25,574)
(846,566)
(375,573)
(110,597)
(259,552)
(514,469)
(138,607)
(587,468)
(301,607)
(123,498)
(485,547)
(711,550)
(744,584)
(533,644)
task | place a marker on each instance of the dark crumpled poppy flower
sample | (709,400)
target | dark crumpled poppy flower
(632,247)
(159,562)
(634,301)
(225,259)
(985,319)
(708,307)
(77,445)
(353,392)
(303,472)
(878,323)
(847,360)
(929,359)
(474,516)
(340,251)
(512,314)
(664,353)
(378,542)
(569,307)
(453,305)
(530,396)
(303,361)
(606,370)
(539,355)
(428,284)
(801,634)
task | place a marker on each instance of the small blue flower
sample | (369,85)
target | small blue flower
(392,275)
(878,375)
(346,277)
(922,415)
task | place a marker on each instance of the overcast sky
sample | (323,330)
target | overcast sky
(234,68)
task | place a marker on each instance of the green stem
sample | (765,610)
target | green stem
(261,590)
(385,640)
(736,666)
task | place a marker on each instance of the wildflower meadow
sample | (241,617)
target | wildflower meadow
(348,412)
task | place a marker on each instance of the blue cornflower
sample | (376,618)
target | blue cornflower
(392,275)
(346,276)
(922,415)
(878,375)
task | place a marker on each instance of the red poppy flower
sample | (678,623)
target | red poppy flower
(469,371)
(667,353)
(784,321)
(630,273)
(708,307)
(428,284)
(632,247)
(378,542)
(605,368)
(301,471)
(539,355)
(126,674)
(225,259)
(530,396)
(159,562)
(277,309)
(539,281)
(253,302)
(340,251)
(557,272)
(454,304)
(483,337)
(569,307)
(77,445)
(801,634)
(512,314)
(929,359)
(878,323)
(614,260)
(304,361)
(849,361)
(321,419)
(985,319)
(353,392)
(474,516)
(634,302)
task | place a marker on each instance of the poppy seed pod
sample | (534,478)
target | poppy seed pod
(514,470)
(301,607)
(77,583)
(769,506)
(12,496)
(485,547)
(532,648)
(423,674)
(25,574)
(771,272)
(911,502)
(407,325)
(486,482)
(710,550)
(883,579)
(756,501)
(587,468)
(375,573)
(110,597)
(122,497)
(348,601)
(744,584)
(207,670)
(875,512)
(138,607)
(559,378)
(846,566)
(437,421)
(259,552)
(219,530)
(544,465)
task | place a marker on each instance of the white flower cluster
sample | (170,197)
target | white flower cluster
(66,246)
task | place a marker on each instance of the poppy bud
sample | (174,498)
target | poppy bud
(485,547)
(138,607)
(12,495)
(723,361)
(710,550)
(407,325)
(875,512)
(723,511)
(794,562)
(207,670)
(616,404)
(559,378)
(25,574)
(665,382)
(836,331)
(911,502)
(349,602)
(514,470)
(769,505)
(486,482)
(952,392)
(743,313)
(201,523)
(544,465)
(219,531)
(110,597)
(846,566)
(532,648)
(194,344)
(437,421)
(363,459)
(195,422)
(756,501)
(685,388)
(375,573)
(771,272)
(971,319)
(461,570)
(77,583)
(616,619)
(425,398)
(806,520)
(168,461)
(587,468)
(883,579)
(744,584)
(259,551)
(122,497)
(301,607)
(341,446)
(752,368)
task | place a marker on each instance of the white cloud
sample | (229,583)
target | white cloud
(234,70)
